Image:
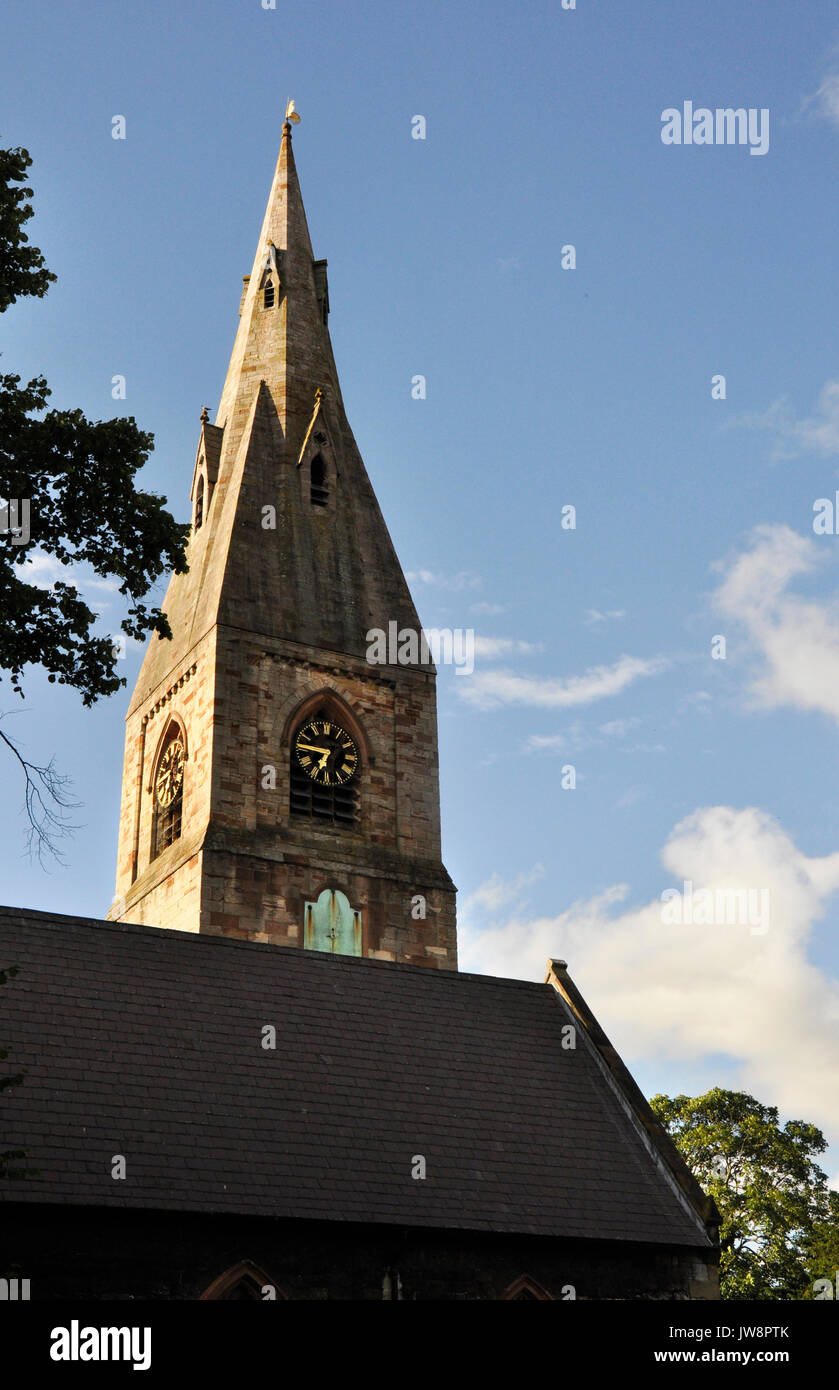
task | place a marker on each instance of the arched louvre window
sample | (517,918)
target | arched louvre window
(325,769)
(168,790)
(199,504)
(268,295)
(319,486)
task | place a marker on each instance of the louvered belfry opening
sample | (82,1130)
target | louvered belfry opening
(268,295)
(167,825)
(338,804)
(318,483)
(308,798)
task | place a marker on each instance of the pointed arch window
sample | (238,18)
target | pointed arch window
(268,295)
(318,482)
(199,504)
(168,790)
(524,1289)
(324,770)
(243,1283)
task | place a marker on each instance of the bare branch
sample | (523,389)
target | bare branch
(47,803)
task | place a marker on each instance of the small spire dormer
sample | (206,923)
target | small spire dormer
(269,280)
(205,473)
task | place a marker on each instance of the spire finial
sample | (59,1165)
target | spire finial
(290,115)
(205,415)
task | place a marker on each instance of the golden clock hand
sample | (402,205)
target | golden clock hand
(312,748)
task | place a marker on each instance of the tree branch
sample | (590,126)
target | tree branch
(46,802)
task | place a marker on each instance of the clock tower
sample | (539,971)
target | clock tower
(278,784)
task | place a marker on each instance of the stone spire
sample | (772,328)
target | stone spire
(268,346)
(290,566)
(264,558)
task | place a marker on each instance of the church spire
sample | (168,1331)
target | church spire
(280,783)
(289,348)
(288,538)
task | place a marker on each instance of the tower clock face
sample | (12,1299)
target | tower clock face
(326,752)
(170,774)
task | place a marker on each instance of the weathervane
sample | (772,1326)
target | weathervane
(290,113)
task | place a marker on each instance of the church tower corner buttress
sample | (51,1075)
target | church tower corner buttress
(277,786)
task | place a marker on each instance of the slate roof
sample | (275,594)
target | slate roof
(147,1043)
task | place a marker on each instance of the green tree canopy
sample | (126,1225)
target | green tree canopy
(78,479)
(778,1215)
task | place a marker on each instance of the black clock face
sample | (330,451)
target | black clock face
(170,774)
(326,752)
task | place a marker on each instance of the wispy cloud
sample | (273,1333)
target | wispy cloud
(489,689)
(816,434)
(824,102)
(593,616)
(489,648)
(497,892)
(550,743)
(491,609)
(796,639)
(619,728)
(453,582)
(577,737)
(43,571)
(697,700)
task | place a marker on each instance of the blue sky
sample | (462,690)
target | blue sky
(545,387)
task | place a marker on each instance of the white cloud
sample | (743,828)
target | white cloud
(698,700)
(824,101)
(682,992)
(488,648)
(456,582)
(549,743)
(593,616)
(797,638)
(817,433)
(576,737)
(489,689)
(497,892)
(492,609)
(43,570)
(616,728)
(632,796)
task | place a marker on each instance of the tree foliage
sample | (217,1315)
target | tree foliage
(778,1215)
(821,1250)
(23,268)
(79,479)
